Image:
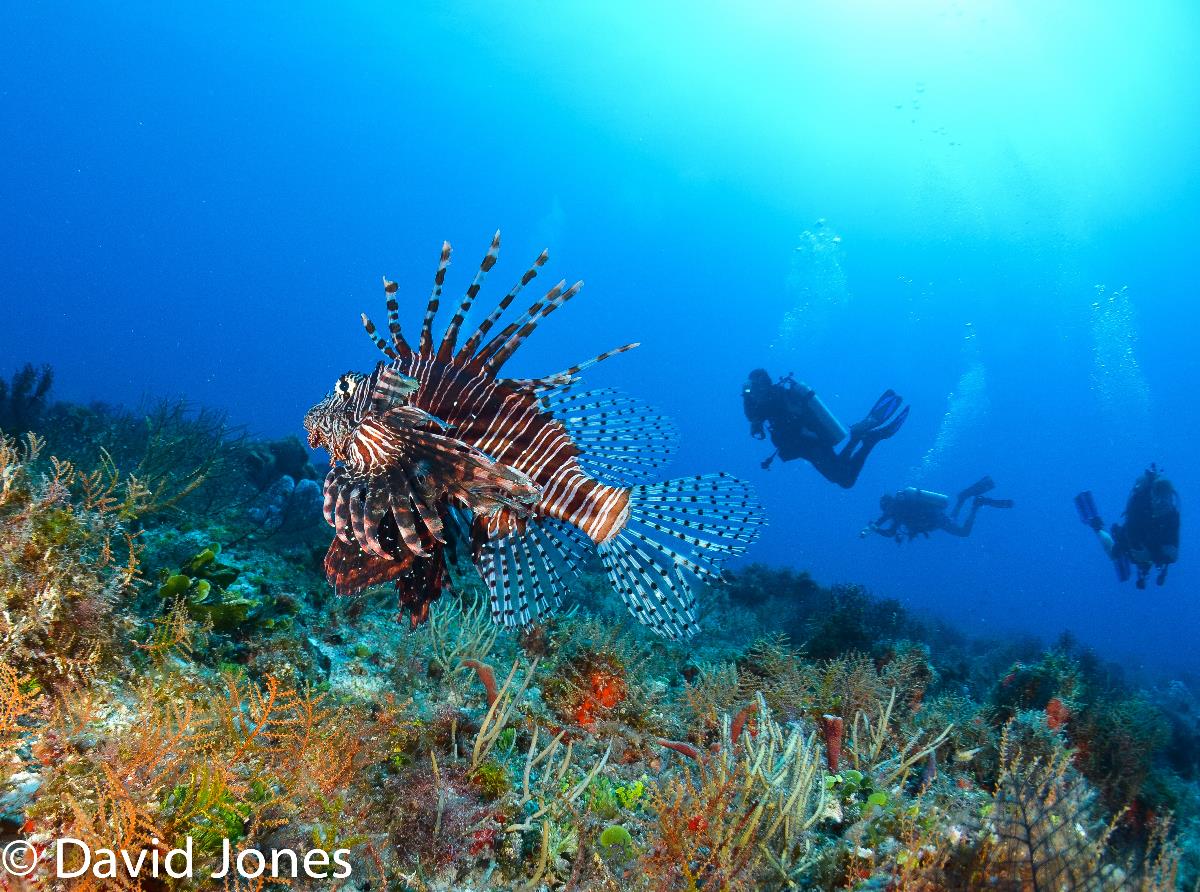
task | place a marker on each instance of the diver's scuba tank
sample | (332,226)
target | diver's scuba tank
(823,422)
(926,498)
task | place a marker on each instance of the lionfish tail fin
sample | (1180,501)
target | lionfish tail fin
(435,298)
(450,338)
(677,535)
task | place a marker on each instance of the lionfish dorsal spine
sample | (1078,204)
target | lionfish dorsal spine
(425,345)
(567,377)
(379,342)
(472,343)
(489,349)
(493,364)
(399,348)
(393,319)
(450,338)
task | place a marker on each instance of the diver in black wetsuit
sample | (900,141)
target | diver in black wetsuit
(800,426)
(1149,537)
(916,512)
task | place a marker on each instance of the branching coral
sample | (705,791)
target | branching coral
(193,761)
(745,807)
(16,703)
(460,633)
(1116,739)
(127,717)
(177,457)
(874,749)
(1044,830)
(500,709)
(707,821)
(65,559)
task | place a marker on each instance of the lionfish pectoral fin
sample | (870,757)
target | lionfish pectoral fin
(621,440)
(465,474)
(489,500)
(677,533)
(350,569)
(409,416)
(400,498)
(421,585)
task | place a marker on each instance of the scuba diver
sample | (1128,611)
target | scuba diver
(801,426)
(1149,537)
(916,512)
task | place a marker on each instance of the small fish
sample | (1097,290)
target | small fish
(433,450)
(967,755)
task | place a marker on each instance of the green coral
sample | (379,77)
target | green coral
(205,565)
(203,582)
(507,740)
(606,798)
(491,780)
(629,795)
(602,799)
(208,811)
(616,841)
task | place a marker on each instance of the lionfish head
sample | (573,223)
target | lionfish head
(331,422)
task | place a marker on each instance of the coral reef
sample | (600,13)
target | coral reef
(173,668)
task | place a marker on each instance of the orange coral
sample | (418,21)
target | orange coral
(588,685)
(1057,714)
(14,703)
(705,834)
(605,689)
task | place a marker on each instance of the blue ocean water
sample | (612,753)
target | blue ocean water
(991,207)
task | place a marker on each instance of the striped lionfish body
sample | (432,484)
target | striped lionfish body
(434,450)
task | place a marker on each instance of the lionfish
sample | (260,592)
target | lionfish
(434,451)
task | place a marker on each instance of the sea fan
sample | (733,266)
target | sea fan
(1046,836)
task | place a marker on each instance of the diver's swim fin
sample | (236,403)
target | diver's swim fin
(889,429)
(994,503)
(981,486)
(1086,506)
(1123,567)
(885,407)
